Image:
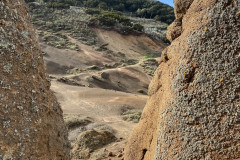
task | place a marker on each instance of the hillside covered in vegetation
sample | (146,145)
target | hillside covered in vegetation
(140,8)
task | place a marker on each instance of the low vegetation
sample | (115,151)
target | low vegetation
(73,122)
(78,23)
(140,8)
(57,40)
(149,65)
(132,115)
(64,20)
(113,20)
(100,126)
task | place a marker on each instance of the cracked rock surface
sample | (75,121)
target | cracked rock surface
(31,123)
(193,111)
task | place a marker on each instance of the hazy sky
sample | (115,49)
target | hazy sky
(169,2)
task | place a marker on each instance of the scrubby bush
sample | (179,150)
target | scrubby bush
(108,18)
(132,115)
(72,121)
(57,5)
(100,126)
(138,27)
(113,19)
(92,11)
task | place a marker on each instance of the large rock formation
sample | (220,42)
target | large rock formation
(31,123)
(193,111)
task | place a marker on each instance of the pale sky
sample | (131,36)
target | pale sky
(169,2)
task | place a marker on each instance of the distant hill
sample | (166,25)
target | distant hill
(139,8)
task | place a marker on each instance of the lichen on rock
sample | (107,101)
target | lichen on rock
(89,141)
(194,105)
(31,123)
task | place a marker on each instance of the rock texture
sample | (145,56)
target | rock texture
(89,141)
(31,123)
(193,111)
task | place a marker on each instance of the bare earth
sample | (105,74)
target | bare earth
(84,92)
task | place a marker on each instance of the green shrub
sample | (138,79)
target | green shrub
(138,27)
(126,29)
(108,18)
(132,115)
(92,11)
(57,5)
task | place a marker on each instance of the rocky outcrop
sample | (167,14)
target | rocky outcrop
(31,123)
(89,141)
(193,108)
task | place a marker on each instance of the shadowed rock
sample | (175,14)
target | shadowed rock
(31,123)
(193,108)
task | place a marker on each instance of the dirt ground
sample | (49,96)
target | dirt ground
(101,84)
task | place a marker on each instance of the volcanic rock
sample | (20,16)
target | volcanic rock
(193,108)
(31,122)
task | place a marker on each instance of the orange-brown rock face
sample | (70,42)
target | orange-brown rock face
(193,111)
(31,124)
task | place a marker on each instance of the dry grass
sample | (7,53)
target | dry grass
(132,115)
(75,121)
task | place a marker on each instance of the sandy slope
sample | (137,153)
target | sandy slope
(132,46)
(100,104)
(88,94)
(103,106)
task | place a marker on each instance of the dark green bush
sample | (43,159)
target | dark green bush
(27,1)
(138,27)
(108,18)
(92,11)
(126,29)
(57,5)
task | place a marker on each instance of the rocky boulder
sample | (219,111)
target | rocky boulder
(193,108)
(31,122)
(89,141)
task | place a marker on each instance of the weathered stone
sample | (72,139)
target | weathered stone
(105,75)
(181,7)
(194,105)
(89,141)
(174,30)
(31,123)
